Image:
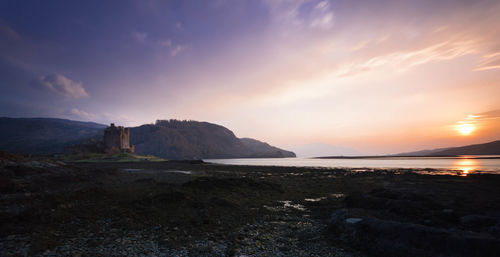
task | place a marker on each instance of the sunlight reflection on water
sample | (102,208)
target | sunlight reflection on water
(466,166)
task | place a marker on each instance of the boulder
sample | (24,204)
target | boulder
(391,238)
(477,221)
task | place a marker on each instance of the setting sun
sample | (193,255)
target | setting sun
(465,129)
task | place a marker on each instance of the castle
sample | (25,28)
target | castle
(117,139)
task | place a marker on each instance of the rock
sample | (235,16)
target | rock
(448,211)
(352,220)
(495,230)
(284,249)
(477,221)
(392,238)
(338,217)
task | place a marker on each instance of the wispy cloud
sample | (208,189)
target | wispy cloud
(490,115)
(63,86)
(322,16)
(166,43)
(312,14)
(139,36)
(403,60)
(489,62)
(174,48)
(101,117)
(179,26)
(80,114)
(329,76)
(9,33)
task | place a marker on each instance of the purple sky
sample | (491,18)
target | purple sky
(376,76)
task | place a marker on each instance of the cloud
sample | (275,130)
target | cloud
(139,36)
(490,115)
(322,16)
(166,43)
(489,62)
(179,26)
(329,76)
(63,86)
(311,14)
(306,65)
(100,117)
(284,11)
(403,60)
(81,114)
(9,33)
(175,49)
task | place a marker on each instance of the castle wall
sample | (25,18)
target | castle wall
(117,139)
(125,138)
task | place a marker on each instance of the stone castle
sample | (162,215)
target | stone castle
(117,139)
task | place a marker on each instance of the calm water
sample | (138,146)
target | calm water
(464,164)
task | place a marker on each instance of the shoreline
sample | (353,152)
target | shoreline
(480,165)
(410,157)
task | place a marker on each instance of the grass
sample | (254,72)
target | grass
(103,157)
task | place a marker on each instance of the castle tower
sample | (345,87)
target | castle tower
(117,139)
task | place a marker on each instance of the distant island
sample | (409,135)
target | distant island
(169,139)
(490,148)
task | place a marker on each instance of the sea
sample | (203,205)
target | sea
(466,164)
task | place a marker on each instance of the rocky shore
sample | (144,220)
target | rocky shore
(52,208)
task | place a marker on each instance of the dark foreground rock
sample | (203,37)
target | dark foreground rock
(413,221)
(391,238)
(51,208)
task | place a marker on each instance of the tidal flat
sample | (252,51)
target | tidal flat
(52,208)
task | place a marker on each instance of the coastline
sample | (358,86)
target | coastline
(411,157)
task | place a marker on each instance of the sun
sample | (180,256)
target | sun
(465,129)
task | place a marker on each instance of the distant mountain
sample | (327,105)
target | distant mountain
(321,149)
(44,135)
(173,139)
(168,139)
(422,152)
(491,148)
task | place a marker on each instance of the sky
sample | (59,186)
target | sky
(371,77)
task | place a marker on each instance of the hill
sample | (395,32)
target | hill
(173,139)
(170,139)
(44,135)
(422,152)
(260,149)
(490,148)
